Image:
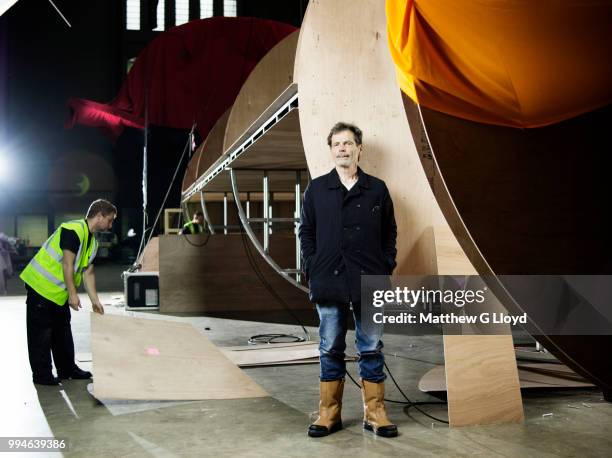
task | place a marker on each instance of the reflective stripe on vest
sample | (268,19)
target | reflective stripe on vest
(45,274)
(41,270)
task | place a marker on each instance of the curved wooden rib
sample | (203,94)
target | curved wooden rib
(345,73)
(272,75)
(191,173)
(208,152)
(529,202)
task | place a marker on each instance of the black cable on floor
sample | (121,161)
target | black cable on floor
(411,403)
(271,290)
(408,403)
(271,338)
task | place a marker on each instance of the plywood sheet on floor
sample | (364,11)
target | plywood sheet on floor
(276,354)
(273,354)
(137,358)
(536,375)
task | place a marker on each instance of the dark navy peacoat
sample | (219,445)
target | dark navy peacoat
(346,234)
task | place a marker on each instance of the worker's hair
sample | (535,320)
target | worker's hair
(101,206)
(341,127)
(198,213)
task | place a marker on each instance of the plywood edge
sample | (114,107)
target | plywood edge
(482,380)
(272,75)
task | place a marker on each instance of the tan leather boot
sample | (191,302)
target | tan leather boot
(374,413)
(330,405)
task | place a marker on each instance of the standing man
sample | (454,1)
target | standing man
(347,230)
(51,280)
(195,225)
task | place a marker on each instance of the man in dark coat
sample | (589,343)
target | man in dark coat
(347,230)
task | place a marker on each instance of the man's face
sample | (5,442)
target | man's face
(105,223)
(344,150)
(199,219)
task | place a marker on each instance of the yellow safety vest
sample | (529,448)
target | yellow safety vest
(45,275)
(194,228)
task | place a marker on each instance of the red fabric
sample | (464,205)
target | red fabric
(189,73)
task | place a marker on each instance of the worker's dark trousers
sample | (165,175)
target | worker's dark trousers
(49,331)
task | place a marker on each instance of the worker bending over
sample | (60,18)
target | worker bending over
(51,280)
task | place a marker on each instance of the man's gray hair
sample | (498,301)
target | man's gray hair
(341,127)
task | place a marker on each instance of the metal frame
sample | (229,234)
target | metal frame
(285,273)
(281,107)
(286,102)
(205,211)
(297,214)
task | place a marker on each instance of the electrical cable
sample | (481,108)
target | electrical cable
(408,403)
(268,287)
(271,338)
(178,166)
(411,403)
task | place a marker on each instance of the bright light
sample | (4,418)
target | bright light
(4,167)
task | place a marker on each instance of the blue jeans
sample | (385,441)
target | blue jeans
(332,332)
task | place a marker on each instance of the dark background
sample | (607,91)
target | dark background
(43,63)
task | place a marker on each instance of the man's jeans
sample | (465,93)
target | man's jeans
(332,332)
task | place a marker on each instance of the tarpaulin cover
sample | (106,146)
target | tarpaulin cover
(520,63)
(189,73)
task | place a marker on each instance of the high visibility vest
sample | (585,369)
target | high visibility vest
(194,228)
(45,275)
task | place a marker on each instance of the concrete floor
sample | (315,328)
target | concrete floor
(275,426)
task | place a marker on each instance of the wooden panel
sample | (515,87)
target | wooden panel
(482,380)
(529,201)
(272,75)
(450,257)
(345,73)
(279,148)
(137,358)
(217,277)
(213,147)
(271,354)
(207,153)
(150,256)
(535,375)
(191,173)
(476,397)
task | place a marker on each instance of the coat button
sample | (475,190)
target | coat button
(345,228)
(358,251)
(363,271)
(336,272)
(358,205)
(357,227)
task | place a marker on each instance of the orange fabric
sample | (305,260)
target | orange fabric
(520,63)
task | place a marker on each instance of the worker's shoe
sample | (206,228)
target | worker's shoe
(374,413)
(76,374)
(50,380)
(330,407)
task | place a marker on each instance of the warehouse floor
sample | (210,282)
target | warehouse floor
(580,423)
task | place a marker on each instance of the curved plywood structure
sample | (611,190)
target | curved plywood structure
(272,75)
(191,173)
(529,202)
(208,152)
(346,74)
